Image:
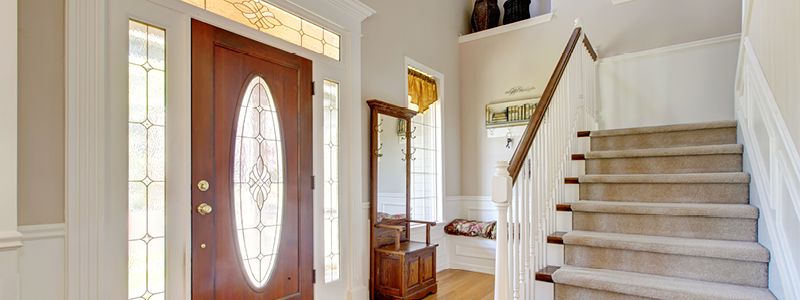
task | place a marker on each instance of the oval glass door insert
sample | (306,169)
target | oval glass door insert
(258,190)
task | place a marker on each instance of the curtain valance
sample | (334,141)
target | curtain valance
(422,89)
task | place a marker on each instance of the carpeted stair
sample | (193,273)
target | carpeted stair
(664,214)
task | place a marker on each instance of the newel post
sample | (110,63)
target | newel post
(501,196)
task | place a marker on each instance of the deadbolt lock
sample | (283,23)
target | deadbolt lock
(204,209)
(203,185)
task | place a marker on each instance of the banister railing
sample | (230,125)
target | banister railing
(527,189)
(544,102)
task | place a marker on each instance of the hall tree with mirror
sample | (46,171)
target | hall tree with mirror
(400,268)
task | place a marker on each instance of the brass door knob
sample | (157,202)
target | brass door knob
(204,209)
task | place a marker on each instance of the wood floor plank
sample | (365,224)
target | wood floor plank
(459,284)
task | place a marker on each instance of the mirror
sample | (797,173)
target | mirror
(392,188)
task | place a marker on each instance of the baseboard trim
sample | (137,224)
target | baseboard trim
(471,268)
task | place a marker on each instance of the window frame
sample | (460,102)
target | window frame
(440,172)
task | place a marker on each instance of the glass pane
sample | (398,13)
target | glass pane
(146,163)
(424,164)
(260,15)
(258,182)
(331,184)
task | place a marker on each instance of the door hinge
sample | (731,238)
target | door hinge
(313,182)
(313,275)
(313,88)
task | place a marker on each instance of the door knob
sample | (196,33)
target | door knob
(204,209)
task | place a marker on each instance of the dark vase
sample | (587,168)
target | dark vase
(516,10)
(485,15)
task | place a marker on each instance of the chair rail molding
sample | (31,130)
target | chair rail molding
(774,164)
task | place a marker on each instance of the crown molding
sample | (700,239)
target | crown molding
(355,7)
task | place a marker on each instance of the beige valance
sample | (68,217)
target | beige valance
(422,89)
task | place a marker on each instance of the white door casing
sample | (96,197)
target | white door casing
(97,86)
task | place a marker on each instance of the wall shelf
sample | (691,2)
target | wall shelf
(541,19)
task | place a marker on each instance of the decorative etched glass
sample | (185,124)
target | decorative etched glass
(331,160)
(146,153)
(258,189)
(265,17)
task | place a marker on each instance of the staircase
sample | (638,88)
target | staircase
(663,214)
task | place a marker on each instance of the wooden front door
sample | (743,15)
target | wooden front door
(252,235)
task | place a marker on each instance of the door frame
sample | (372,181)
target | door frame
(96,143)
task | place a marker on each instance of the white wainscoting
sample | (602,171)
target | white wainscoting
(42,262)
(774,164)
(471,253)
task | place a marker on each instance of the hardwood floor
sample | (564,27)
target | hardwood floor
(464,285)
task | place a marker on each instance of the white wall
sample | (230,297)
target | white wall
(684,83)
(767,109)
(527,57)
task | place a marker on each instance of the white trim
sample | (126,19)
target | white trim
(356,7)
(469,198)
(43,231)
(671,48)
(774,164)
(541,19)
(93,224)
(618,2)
(10,240)
(85,147)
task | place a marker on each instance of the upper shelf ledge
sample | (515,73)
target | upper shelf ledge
(506,28)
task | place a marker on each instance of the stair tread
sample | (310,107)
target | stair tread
(666,152)
(723,249)
(662,129)
(654,286)
(740,211)
(731,177)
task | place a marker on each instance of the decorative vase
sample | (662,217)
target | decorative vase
(485,15)
(516,10)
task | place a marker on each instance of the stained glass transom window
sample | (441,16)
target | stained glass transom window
(331,190)
(277,22)
(146,165)
(258,189)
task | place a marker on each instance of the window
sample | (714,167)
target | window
(258,189)
(265,17)
(331,190)
(426,165)
(146,161)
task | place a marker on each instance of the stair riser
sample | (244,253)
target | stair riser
(691,267)
(731,193)
(666,164)
(573,292)
(716,136)
(665,225)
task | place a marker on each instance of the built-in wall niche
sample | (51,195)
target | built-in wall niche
(509,118)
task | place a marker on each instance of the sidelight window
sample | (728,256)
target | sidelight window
(331,190)
(146,162)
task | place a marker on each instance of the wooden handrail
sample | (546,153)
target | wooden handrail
(532,129)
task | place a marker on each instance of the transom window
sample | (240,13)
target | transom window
(265,17)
